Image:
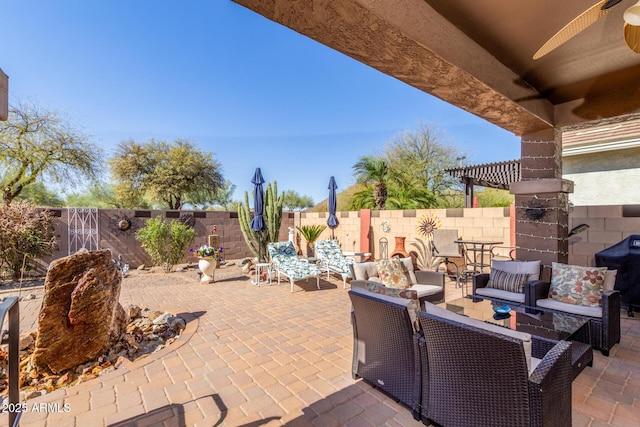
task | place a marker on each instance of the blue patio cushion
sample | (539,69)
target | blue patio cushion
(284,258)
(330,254)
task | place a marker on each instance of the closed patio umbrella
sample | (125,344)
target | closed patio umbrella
(257,223)
(332,221)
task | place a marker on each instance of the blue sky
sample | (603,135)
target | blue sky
(250,91)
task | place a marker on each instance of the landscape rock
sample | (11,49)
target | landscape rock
(141,267)
(243,261)
(163,318)
(134,311)
(80,316)
(246,268)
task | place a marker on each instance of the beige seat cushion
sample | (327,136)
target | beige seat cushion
(424,290)
(501,294)
(580,310)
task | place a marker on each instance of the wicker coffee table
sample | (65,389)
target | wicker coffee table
(546,328)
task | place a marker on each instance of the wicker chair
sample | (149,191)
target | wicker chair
(385,345)
(604,321)
(475,376)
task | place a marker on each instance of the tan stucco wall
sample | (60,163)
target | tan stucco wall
(606,178)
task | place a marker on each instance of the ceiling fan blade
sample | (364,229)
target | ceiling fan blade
(610,3)
(578,24)
(632,37)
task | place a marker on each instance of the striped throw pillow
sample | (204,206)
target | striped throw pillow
(509,282)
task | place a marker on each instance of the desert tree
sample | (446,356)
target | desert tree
(171,173)
(417,160)
(37,144)
(294,201)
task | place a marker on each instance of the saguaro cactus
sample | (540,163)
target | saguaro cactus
(257,241)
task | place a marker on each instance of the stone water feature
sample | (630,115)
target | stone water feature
(81,316)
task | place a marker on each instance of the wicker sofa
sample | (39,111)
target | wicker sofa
(429,285)
(479,374)
(385,345)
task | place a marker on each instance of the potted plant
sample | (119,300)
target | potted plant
(208,259)
(311,234)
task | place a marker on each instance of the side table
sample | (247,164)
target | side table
(260,268)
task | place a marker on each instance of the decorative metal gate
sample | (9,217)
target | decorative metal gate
(83,229)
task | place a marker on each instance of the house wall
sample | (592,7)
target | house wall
(604,178)
(607,225)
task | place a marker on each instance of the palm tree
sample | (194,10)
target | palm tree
(373,170)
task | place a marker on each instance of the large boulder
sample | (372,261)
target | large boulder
(80,316)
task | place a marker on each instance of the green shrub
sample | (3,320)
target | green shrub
(165,241)
(311,234)
(25,234)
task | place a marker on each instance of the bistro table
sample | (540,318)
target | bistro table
(478,254)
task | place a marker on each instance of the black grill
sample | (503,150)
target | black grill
(624,257)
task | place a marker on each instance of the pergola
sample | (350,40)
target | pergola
(478,55)
(498,175)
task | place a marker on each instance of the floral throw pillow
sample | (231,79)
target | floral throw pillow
(577,285)
(392,274)
(506,281)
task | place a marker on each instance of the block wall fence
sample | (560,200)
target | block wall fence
(358,230)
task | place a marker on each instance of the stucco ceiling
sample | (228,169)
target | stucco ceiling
(477,55)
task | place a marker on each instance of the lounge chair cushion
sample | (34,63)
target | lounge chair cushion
(577,285)
(510,282)
(284,258)
(392,273)
(518,267)
(523,337)
(329,251)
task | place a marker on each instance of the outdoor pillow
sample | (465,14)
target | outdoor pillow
(505,281)
(610,280)
(532,268)
(578,285)
(407,265)
(392,274)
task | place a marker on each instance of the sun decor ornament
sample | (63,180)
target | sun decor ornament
(385,226)
(427,223)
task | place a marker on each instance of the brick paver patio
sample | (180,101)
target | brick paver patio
(261,356)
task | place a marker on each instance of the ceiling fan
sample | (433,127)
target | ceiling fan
(631,30)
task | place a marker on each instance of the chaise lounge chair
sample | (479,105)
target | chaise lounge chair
(284,260)
(332,260)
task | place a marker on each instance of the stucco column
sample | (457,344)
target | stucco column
(541,200)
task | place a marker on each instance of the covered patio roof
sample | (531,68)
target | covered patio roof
(478,55)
